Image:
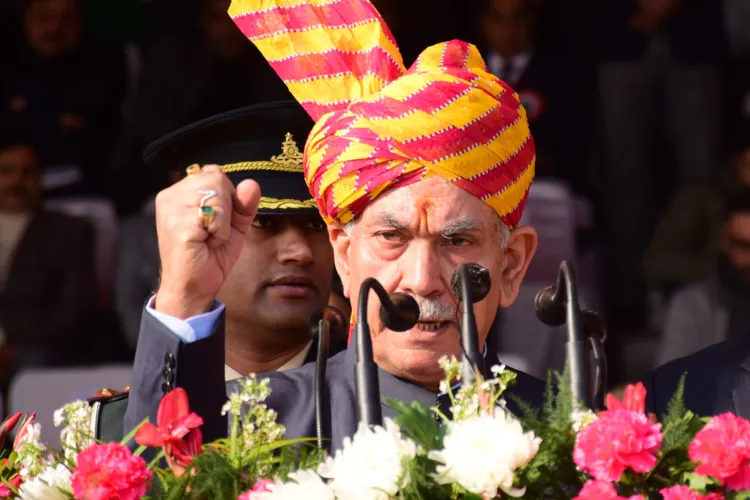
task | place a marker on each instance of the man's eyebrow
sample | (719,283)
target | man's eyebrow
(388,220)
(459,226)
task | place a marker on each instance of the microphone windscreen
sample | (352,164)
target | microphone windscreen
(404,314)
(548,309)
(479,282)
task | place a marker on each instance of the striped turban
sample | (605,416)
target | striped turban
(380,126)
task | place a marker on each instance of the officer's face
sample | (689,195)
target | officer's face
(282,276)
(411,240)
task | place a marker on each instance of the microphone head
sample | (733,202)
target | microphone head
(547,307)
(480,282)
(403,316)
(334,316)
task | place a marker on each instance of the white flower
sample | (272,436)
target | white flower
(306,484)
(482,453)
(582,419)
(371,464)
(51,484)
(76,433)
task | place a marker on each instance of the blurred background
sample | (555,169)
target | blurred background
(639,109)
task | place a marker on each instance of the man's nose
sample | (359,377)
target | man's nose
(421,271)
(294,247)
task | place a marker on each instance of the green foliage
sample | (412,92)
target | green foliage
(418,423)
(551,473)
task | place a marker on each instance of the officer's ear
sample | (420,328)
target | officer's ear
(341,238)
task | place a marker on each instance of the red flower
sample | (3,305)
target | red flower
(110,472)
(633,400)
(6,492)
(8,425)
(174,421)
(602,490)
(685,493)
(722,448)
(28,421)
(615,441)
(259,487)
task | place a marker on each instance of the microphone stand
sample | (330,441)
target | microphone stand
(595,329)
(366,371)
(321,331)
(324,331)
(470,359)
(576,347)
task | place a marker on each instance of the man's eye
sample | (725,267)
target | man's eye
(389,235)
(316,225)
(458,242)
(262,223)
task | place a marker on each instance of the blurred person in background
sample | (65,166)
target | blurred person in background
(715,309)
(186,78)
(688,240)
(659,78)
(549,85)
(47,276)
(68,87)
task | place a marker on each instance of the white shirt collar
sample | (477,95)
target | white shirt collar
(495,63)
(297,361)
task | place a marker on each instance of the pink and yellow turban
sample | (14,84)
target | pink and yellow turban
(379,126)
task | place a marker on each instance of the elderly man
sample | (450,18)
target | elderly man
(415,173)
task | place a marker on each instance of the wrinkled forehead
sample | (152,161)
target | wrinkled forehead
(432,205)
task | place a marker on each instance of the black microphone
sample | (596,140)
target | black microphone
(470,283)
(321,322)
(398,312)
(557,305)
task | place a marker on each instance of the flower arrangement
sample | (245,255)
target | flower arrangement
(482,452)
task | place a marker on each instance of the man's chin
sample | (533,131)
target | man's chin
(419,366)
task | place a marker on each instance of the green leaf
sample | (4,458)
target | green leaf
(132,433)
(418,423)
(698,482)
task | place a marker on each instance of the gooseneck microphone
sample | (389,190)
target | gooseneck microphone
(398,312)
(321,322)
(557,305)
(470,283)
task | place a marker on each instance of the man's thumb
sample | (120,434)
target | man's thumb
(246,202)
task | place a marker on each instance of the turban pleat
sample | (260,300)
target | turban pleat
(381,126)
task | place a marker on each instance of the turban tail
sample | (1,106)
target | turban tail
(379,125)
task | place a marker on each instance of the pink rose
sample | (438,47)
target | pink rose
(259,487)
(722,448)
(615,441)
(602,490)
(685,493)
(108,472)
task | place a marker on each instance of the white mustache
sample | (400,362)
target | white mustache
(434,310)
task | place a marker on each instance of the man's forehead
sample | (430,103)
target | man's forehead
(452,223)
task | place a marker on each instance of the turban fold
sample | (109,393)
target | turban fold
(381,126)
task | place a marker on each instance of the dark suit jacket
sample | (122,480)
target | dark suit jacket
(51,288)
(198,368)
(718,380)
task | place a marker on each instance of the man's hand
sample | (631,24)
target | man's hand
(196,261)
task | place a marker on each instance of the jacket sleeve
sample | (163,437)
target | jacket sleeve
(163,362)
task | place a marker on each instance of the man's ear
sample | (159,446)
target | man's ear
(518,254)
(340,241)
